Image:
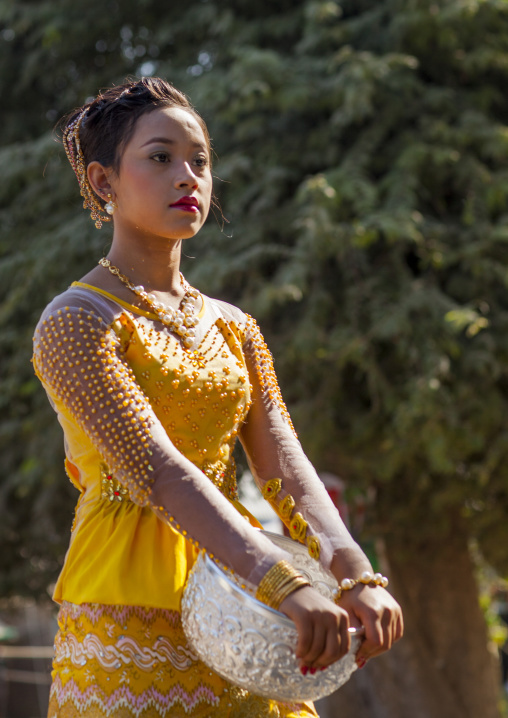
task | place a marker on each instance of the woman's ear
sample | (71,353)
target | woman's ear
(98,176)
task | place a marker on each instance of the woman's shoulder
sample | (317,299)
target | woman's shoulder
(227,311)
(78,298)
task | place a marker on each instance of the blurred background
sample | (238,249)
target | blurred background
(362,170)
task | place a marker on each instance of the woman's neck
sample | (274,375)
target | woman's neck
(155,265)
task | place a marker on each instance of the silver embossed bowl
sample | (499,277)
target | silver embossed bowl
(250,644)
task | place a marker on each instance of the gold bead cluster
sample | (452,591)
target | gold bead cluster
(367,578)
(223,476)
(111,488)
(296,524)
(265,370)
(278,582)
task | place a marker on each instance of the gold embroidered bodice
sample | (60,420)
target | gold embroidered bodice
(200,396)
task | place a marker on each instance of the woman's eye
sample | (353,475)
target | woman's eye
(160,157)
(201,161)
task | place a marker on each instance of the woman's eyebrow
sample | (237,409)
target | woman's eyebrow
(168,141)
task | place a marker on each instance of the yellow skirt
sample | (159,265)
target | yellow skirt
(134,662)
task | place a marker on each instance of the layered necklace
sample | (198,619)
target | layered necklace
(181,321)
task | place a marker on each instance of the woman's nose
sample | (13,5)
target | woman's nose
(186,177)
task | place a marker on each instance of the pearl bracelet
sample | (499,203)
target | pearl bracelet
(367,578)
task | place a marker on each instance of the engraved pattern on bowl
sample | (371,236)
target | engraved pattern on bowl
(250,644)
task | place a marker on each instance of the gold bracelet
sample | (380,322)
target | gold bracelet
(367,578)
(268,591)
(278,582)
(287,589)
(272,587)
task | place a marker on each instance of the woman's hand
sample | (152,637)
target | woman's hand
(380,614)
(322,627)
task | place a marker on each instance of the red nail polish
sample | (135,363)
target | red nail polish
(323,668)
(361,662)
(303,670)
(312,671)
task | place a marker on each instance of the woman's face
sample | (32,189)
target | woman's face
(164,185)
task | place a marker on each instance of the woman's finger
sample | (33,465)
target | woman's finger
(334,645)
(337,640)
(318,644)
(381,616)
(373,638)
(345,636)
(305,631)
(400,627)
(381,632)
(332,649)
(322,628)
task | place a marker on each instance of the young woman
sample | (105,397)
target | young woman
(153,383)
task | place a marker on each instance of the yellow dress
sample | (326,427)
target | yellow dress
(120,651)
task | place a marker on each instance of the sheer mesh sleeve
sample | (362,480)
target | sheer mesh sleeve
(78,359)
(280,468)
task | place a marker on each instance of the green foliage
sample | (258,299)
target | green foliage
(388,305)
(362,167)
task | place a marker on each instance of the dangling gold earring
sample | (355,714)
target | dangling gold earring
(75,155)
(110,206)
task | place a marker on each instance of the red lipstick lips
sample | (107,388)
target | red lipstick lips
(187,204)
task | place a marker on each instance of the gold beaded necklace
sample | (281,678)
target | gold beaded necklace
(181,321)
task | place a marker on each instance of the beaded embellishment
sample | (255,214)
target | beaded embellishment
(314,547)
(266,372)
(222,475)
(76,351)
(112,489)
(298,528)
(296,524)
(181,321)
(286,507)
(271,489)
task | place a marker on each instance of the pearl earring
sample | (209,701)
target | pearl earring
(110,206)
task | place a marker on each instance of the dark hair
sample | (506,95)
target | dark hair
(110,120)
